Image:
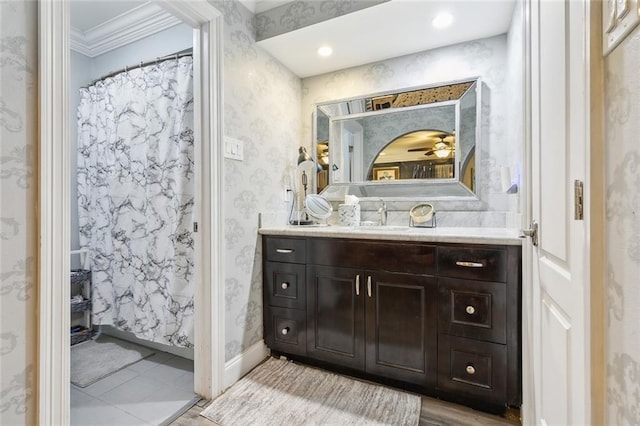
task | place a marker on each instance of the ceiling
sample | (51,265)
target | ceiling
(391,29)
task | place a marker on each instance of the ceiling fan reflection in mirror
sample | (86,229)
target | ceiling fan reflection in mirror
(440,149)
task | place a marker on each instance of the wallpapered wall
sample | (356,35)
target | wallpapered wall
(262,108)
(622,169)
(303,13)
(485,58)
(18,188)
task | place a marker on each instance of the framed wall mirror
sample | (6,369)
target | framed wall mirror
(411,142)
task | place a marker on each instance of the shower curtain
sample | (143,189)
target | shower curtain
(136,198)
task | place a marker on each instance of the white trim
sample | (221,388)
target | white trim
(240,365)
(54,214)
(528,391)
(54,172)
(137,23)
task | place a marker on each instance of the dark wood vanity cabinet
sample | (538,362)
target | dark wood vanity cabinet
(373,321)
(443,317)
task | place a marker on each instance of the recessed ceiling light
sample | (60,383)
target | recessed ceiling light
(442,20)
(325,51)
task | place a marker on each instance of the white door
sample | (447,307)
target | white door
(559,296)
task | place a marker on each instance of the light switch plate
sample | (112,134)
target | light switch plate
(233,148)
(619,18)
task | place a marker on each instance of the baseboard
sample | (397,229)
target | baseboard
(236,368)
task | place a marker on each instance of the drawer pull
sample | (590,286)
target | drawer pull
(285,331)
(469,264)
(285,251)
(369,285)
(470,369)
(357,285)
(285,286)
(470,310)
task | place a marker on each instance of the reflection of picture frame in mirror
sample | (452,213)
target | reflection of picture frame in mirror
(386,173)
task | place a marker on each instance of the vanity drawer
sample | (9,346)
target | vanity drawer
(476,263)
(285,285)
(399,257)
(475,309)
(279,249)
(333,251)
(472,368)
(285,330)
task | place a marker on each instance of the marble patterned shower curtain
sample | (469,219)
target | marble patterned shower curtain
(136,198)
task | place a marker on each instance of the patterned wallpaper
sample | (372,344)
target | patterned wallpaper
(262,108)
(485,58)
(302,13)
(18,187)
(622,169)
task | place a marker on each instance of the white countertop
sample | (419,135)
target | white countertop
(506,236)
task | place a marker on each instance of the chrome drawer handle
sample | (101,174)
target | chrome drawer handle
(470,310)
(357,285)
(285,286)
(285,331)
(469,264)
(369,285)
(470,369)
(285,251)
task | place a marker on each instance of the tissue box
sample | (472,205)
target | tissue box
(349,214)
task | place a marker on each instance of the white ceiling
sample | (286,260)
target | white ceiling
(391,29)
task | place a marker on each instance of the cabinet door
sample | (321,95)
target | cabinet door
(401,336)
(335,315)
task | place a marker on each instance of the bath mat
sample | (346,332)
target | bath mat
(280,393)
(96,359)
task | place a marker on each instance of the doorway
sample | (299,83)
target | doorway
(131,106)
(55,199)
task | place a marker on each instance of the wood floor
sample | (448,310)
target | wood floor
(433,413)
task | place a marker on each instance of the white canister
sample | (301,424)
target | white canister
(349,214)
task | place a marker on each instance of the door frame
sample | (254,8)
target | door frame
(53,390)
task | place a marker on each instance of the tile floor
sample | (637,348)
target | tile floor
(148,392)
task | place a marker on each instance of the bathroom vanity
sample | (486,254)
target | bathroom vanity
(433,310)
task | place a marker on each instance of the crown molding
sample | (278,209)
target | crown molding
(140,22)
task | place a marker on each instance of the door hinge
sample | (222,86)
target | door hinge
(195,226)
(578,200)
(532,232)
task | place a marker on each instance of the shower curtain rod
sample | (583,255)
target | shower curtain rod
(180,54)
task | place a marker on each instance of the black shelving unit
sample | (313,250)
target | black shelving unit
(81,279)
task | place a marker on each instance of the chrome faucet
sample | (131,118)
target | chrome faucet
(383,212)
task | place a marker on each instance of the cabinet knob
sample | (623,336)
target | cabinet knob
(286,286)
(285,331)
(470,310)
(470,369)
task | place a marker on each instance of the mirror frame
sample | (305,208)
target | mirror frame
(462,193)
